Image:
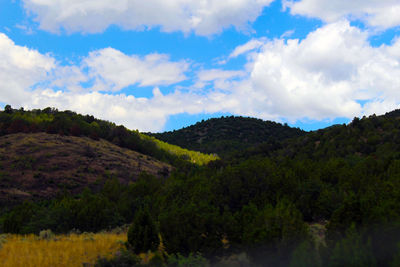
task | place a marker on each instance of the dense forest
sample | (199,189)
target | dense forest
(324,198)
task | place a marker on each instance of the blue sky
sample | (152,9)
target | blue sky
(162,65)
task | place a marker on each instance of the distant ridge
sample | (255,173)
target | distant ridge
(227,135)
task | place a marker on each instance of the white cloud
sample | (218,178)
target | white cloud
(247,47)
(322,76)
(30,79)
(217,74)
(20,68)
(382,13)
(113,70)
(203,17)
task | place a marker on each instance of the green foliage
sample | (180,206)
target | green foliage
(227,135)
(259,202)
(192,260)
(191,227)
(352,250)
(192,156)
(270,234)
(7,109)
(123,258)
(143,233)
(15,221)
(305,255)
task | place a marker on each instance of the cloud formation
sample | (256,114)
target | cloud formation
(202,17)
(247,47)
(382,14)
(323,76)
(33,80)
(20,68)
(113,70)
(326,75)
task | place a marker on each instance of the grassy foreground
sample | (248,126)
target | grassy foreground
(60,250)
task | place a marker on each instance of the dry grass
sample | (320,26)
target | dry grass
(63,250)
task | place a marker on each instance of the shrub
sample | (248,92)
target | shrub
(192,260)
(46,235)
(123,258)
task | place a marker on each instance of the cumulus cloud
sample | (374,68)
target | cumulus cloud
(114,70)
(135,113)
(203,17)
(382,14)
(33,80)
(323,76)
(20,68)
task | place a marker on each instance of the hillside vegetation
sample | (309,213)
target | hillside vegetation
(52,121)
(377,137)
(41,165)
(227,135)
(324,198)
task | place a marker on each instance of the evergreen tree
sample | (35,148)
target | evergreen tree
(143,233)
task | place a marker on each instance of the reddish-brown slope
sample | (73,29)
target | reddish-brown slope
(41,165)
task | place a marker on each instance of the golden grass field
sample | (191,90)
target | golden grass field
(62,250)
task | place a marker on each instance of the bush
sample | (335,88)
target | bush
(46,235)
(193,260)
(123,258)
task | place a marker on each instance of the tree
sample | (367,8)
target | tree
(8,109)
(143,233)
(352,250)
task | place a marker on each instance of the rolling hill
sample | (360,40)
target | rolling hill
(45,152)
(226,135)
(41,165)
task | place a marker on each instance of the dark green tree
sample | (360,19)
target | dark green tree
(352,251)
(8,109)
(143,233)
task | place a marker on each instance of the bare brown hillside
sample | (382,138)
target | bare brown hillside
(41,165)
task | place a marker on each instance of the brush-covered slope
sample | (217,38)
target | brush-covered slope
(226,135)
(41,165)
(52,121)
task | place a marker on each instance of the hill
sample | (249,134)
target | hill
(41,165)
(377,137)
(69,123)
(227,135)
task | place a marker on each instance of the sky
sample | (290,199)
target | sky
(160,65)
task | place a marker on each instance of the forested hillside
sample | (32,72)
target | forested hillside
(374,136)
(227,135)
(324,198)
